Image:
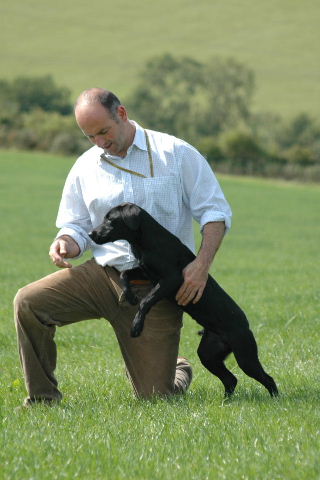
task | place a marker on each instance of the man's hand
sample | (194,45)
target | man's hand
(63,247)
(195,279)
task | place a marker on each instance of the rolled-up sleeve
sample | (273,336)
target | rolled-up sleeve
(201,189)
(73,216)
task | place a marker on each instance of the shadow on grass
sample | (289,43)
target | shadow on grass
(198,399)
(203,398)
(302,394)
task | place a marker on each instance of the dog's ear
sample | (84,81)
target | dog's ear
(131,215)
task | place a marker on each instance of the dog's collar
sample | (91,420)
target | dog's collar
(133,172)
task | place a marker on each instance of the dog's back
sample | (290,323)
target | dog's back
(160,251)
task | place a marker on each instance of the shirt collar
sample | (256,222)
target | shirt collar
(139,140)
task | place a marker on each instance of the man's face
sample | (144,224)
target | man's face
(104,131)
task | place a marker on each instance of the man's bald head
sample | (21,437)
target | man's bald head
(99,96)
(104,121)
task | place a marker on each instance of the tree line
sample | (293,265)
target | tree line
(207,104)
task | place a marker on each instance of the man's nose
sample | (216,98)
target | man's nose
(99,140)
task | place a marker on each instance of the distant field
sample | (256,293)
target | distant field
(101,43)
(270,264)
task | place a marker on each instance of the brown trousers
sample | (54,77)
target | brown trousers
(89,291)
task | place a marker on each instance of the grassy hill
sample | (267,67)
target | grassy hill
(100,43)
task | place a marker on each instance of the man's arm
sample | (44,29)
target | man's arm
(63,247)
(196,273)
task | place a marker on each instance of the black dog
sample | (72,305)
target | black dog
(162,256)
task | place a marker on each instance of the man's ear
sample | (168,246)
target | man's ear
(122,113)
(131,215)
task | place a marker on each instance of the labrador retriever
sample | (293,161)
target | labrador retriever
(162,257)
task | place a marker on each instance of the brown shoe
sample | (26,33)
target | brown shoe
(183,375)
(30,402)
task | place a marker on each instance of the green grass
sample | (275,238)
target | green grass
(268,262)
(101,43)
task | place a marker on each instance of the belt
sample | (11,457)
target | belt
(139,282)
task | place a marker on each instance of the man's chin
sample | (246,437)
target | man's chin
(110,151)
(114,152)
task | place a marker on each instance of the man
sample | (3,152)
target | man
(174,183)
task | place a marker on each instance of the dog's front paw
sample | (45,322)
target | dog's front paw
(137,326)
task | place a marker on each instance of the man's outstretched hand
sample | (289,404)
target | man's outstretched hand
(63,247)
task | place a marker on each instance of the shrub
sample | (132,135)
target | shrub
(244,153)
(68,144)
(190,99)
(211,150)
(300,155)
(45,131)
(24,139)
(30,93)
(302,130)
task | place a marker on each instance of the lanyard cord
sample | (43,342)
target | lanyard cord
(104,157)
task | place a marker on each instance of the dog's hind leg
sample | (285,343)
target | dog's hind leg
(212,352)
(246,353)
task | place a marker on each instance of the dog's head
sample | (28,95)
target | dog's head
(120,223)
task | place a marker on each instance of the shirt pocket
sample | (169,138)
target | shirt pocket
(163,197)
(106,192)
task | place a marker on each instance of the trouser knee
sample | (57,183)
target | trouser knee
(24,305)
(19,300)
(22,299)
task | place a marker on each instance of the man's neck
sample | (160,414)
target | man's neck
(130,136)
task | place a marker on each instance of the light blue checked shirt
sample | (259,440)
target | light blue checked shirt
(183,187)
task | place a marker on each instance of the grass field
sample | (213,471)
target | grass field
(270,264)
(101,43)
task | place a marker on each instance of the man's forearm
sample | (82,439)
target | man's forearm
(196,273)
(212,236)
